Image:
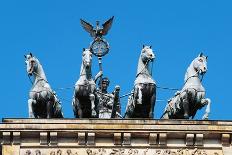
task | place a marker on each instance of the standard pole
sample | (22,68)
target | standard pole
(100,67)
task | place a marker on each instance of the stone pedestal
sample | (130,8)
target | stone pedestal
(114,137)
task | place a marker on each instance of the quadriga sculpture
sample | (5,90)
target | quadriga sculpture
(43,102)
(142,101)
(84,105)
(186,102)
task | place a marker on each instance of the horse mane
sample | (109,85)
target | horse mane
(142,68)
(187,71)
(140,64)
(82,68)
(41,68)
(186,75)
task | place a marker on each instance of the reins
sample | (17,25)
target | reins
(191,77)
(145,66)
(49,90)
(125,95)
(30,79)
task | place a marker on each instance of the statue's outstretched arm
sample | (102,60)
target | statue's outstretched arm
(99,74)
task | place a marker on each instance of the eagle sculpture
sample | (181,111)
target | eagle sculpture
(98,31)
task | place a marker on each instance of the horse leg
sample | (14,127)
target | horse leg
(165,115)
(79,111)
(207,110)
(31,103)
(131,103)
(49,109)
(58,110)
(92,99)
(152,101)
(138,94)
(126,115)
(76,103)
(128,108)
(76,108)
(185,105)
(48,98)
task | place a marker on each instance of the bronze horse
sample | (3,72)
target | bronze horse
(84,105)
(186,102)
(142,101)
(43,102)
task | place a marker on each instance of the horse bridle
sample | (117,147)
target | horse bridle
(146,64)
(32,62)
(31,70)
(195,75)
(82,70)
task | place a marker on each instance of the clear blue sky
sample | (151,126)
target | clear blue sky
(177,30)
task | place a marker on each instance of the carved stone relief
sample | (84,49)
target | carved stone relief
(120,151)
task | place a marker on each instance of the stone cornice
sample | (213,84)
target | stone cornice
(141,134)
(131,125)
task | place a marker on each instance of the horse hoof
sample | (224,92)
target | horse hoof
(94,113)
(31,115)
(186,116)
(205,117)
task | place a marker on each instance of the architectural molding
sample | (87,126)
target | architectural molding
(114,136)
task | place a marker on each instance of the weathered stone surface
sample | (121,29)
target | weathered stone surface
(153,138)
(53,138)
(81,138)
(199,139)
(227,150)
(43,138)
(16,138)
(119,151)
(163,138)
(115,136)
(6,137)
(91,139)
(10,149)
(225,139)
(126,138)
(189,139)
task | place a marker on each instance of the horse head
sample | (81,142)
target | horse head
(200,63)
(31,63)
(87,58)
(147,54)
